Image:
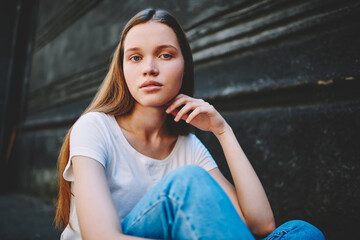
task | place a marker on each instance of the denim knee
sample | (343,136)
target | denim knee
(188,176)
(302,230)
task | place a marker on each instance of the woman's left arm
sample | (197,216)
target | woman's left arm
(254,205)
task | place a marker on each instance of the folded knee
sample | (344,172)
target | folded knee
(188,175)
(303,230)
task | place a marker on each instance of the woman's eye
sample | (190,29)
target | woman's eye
(135,58)
(165,56)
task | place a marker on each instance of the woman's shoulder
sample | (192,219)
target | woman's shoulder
(93,122)
(91,130)
(93,118)
(190,140)
(197,151)
(191,137)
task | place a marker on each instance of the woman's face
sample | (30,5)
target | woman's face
(153,64)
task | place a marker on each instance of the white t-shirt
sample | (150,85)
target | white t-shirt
(129,173)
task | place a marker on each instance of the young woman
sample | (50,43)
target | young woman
(129,169)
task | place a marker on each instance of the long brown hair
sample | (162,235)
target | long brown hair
(114,98)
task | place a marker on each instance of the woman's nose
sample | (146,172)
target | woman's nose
(150,69)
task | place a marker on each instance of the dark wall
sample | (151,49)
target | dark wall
(8,15)
(17,26)
(289,86)
(285,74)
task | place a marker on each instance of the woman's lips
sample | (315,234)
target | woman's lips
(151,85)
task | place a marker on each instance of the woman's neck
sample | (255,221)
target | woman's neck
(145,122)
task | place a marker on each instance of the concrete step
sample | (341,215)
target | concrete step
(26,218)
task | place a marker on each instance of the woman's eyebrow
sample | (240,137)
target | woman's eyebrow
(166,46)
(158,48)
(134,49)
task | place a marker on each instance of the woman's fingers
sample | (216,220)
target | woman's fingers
(192,115)
(179,100)
(174,112)
(188,108)
(184,110)
(196,112)
(191,105)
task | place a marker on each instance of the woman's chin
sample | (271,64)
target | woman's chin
(153,104)
(154,101)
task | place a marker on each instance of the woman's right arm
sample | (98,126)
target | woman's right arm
(95,208)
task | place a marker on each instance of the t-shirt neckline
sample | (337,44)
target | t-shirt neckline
(147,158)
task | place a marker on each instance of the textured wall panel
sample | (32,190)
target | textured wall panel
(63,18)
(306,159)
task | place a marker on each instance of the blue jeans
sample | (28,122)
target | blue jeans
(189,204)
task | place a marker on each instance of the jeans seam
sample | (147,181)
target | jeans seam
(185,217)
(157,202)
(137,219)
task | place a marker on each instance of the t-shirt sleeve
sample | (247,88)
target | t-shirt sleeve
(202,156)
(86,139)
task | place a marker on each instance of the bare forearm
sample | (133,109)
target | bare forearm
(250,194)
(249,190)
(91,191)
